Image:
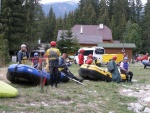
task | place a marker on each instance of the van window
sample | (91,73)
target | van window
(87,52)
(99,51)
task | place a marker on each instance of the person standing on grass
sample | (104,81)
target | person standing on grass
(81,57)
(23,55)
(112,68)
(53,54)
(63,67)
(124,69)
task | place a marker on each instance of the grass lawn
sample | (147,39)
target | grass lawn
(93,97)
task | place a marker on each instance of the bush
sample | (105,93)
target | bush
(4,51)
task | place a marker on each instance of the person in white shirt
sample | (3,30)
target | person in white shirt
(124,69)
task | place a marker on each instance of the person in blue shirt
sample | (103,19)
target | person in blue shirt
(63,67)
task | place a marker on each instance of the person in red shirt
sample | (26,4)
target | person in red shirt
(81,57)
(89,60)
(37,62)
(145,57)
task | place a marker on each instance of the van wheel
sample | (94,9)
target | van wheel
(99,64)
(75,62)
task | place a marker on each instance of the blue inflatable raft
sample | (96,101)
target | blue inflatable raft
(21,72)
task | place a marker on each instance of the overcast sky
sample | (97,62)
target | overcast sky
(49,1)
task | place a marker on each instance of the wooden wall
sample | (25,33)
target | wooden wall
(128,51)
(87,45)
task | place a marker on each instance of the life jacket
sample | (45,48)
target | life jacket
(81,58)
(24,55)
(53,53)
(89,61)
(35,62)
(62,64)
(125,65)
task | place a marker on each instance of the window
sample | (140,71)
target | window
(87,52)
(99,51)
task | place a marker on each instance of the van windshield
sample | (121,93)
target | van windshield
(99,51)
(87,52)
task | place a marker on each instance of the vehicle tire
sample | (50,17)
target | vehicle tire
(99,64)
(75,62)
(10,78)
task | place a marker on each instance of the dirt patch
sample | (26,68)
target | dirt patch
(142,93)
(3,72)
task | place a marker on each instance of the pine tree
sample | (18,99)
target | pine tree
(89,13)
(69,21)
(135,10)
(146,27)
(59,25)
(12,19)
(31,14)
(120,16)
(49,23)
(103,16)
(4,51)
(134,35)
(68,43)
(110,4)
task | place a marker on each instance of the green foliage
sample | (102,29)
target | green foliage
(4,55)
(120,17)
(146,28)
(133,35)
(68,43)
(12,18)
(24,22)
(103,16)
(49,27)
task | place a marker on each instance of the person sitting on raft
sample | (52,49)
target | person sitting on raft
(64,68)
(124,69)
(37,62)
(112,68)
(89,60)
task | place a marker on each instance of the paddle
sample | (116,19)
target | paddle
(73,79)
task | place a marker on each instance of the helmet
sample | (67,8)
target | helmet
(82,51)
(114,57)
(90,55)
(23,45)
(35,54)
(125,58)
(53,43)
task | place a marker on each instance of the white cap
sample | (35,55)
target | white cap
(23,45)
(125,58)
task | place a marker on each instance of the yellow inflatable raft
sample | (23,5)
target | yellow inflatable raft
(93,72)
(7,91)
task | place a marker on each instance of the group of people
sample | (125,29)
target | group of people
(89,59)
(124,69)
(112,66)
(55,63)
